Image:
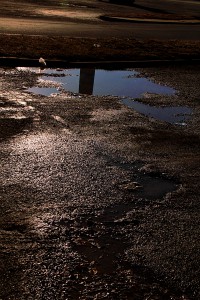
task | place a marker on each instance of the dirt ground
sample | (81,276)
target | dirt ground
(87,49)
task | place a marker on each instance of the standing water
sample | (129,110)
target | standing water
(127,84)
(122,83)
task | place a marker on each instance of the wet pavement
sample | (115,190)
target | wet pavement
(97,200)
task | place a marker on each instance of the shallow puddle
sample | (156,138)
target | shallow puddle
(143,185)
(122,83)
(174,115)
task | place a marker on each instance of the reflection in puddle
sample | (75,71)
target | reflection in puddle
(45,91)
(174,115)
(122,83)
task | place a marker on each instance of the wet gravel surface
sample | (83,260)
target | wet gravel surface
(97,200)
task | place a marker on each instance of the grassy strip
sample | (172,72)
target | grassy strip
(87,49)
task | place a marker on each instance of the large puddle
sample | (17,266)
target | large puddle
(127,84)
(122,83)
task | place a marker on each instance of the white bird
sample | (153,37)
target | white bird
(42,62)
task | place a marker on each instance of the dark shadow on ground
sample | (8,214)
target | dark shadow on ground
(10,127)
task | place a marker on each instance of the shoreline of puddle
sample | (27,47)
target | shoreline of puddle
(126,84)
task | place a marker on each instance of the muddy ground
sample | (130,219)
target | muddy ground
(97,200)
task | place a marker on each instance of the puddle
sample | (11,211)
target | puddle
(122,83)
(146,186)
(174,115)
(155,187)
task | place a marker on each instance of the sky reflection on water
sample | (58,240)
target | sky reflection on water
(122,83)
(174,115)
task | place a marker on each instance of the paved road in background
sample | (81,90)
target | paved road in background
(101,30)
(35,19)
